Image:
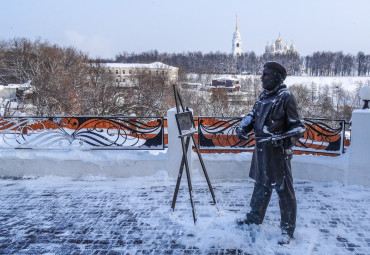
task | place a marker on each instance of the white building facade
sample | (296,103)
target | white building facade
(124,72)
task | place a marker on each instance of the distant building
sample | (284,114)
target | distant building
(192,86)
(236,49)
(231,84)
(278,47)
(14,91)
(124,71)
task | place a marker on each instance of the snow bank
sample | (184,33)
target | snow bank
(310,167)
(77,163)
(116,163)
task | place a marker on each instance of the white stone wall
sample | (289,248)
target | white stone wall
(358,153)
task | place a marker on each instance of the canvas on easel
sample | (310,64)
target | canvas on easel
(185,123)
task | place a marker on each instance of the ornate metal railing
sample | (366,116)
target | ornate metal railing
(132,133)
(322,135)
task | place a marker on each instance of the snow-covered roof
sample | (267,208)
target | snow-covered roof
(23,85)
(154,65)
(225,78)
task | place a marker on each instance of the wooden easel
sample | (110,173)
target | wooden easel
(184,161)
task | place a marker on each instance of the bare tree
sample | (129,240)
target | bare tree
(152,93)
(101,95)
(219,102)
(63,83)
(361,63)
(302,95)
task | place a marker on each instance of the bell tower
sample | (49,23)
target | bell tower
(236,49)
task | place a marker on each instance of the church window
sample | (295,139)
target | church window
(237,45)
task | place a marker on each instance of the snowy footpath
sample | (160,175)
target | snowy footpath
(59,215)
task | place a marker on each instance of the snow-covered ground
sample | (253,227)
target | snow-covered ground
(56,215)
(106,215)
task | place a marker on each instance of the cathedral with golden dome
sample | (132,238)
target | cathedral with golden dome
(278,47)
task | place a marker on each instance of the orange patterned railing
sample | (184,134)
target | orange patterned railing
(322,136)
(85,132)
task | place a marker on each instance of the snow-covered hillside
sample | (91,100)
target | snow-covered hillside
(349,83)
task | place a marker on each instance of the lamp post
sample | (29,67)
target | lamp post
(364,94)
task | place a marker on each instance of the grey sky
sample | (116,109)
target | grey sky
(105,28)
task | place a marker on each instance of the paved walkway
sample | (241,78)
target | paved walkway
(54,215)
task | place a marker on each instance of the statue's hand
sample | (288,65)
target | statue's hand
(240,134)
(288,154)
(278,141)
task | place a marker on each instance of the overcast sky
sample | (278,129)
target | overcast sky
(106,28)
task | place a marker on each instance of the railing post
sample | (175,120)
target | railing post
(359,160)
(174,153)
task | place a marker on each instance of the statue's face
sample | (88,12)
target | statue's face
(269,79)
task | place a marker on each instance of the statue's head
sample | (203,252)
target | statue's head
(273,75)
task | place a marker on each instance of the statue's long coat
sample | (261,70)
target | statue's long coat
(274,113)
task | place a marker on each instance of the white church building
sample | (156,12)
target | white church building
(278,47)
(237,42)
